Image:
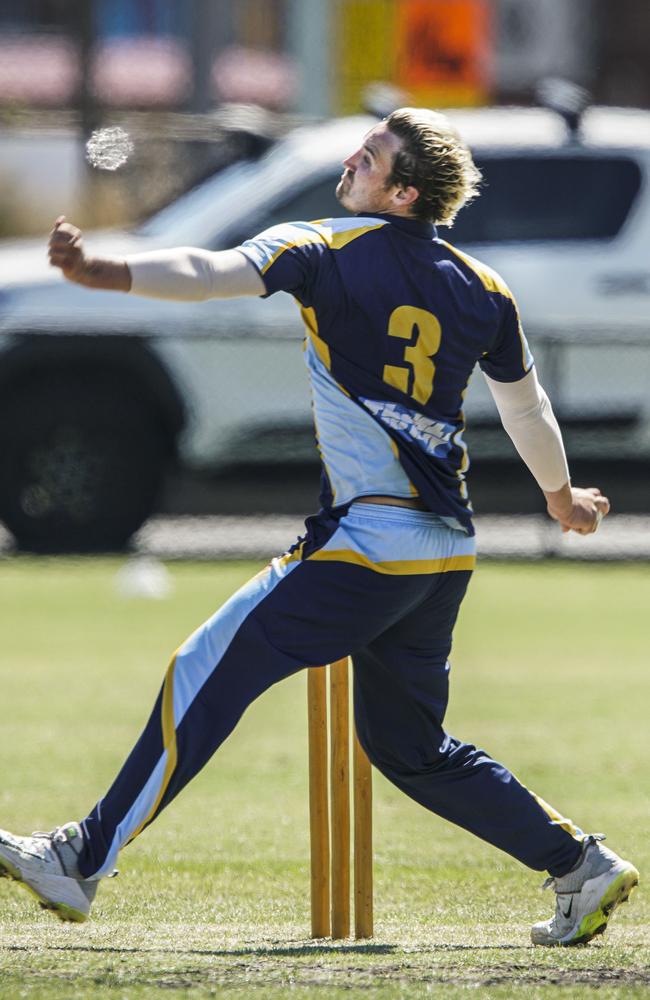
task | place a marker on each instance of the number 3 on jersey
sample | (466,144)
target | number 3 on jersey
(423,329)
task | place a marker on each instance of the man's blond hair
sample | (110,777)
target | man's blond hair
(436,161)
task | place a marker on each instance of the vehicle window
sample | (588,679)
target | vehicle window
(317,201)
(528,198)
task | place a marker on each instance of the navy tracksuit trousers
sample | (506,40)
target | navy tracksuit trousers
(383,584)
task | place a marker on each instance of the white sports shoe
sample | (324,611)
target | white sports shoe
(586,896)
(46,863)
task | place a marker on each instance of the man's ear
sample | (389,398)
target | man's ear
(407,196)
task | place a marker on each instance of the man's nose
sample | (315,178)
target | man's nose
(351,161)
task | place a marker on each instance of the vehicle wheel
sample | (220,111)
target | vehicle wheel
(81,462)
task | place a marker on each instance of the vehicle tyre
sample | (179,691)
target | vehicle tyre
(81,462)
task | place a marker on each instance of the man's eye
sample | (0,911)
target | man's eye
(366,159)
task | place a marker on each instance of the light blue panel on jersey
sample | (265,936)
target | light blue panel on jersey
(359,457)
(398,535)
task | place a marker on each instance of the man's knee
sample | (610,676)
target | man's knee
(404,757)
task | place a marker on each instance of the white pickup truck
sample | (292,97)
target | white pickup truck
(99,392)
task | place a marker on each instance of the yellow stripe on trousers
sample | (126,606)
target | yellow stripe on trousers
(556,817)
(398,567)
(169,743)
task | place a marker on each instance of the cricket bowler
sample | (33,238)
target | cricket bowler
(396,320)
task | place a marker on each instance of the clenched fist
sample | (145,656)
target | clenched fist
(65,250)
(578,509)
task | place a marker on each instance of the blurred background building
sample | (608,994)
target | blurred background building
(316,56)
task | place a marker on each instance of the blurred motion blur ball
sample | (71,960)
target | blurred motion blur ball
(109,148)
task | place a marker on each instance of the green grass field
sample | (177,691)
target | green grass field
(550,673)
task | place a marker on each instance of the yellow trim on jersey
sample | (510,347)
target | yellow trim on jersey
(289,557)
(169,742)
(490,280)
(301,241)
(412,489)
(396,567)
(308,314)
(322,350)
(458,441)
(338,240)
(331,235)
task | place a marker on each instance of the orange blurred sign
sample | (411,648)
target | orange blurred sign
(444,50)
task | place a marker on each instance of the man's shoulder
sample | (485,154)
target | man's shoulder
(489,278)
(290,233)
(341,231)
(307,240)
(334,233)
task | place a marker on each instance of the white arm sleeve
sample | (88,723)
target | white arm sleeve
(188,274)
(528,417)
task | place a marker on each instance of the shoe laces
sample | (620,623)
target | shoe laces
(46,834)
(592,838)
(49,835)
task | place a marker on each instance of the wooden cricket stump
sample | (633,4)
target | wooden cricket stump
(330,843)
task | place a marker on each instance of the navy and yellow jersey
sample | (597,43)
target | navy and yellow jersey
(396,320)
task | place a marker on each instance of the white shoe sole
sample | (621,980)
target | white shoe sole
(58,893)
(595,922)
(601,902)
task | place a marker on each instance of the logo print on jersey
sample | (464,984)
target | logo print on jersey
(433,436)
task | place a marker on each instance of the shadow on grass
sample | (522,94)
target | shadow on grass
(299,950)
(296,951)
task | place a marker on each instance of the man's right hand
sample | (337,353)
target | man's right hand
(66,252)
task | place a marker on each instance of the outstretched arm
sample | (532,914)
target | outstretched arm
(528,417)
(183,274)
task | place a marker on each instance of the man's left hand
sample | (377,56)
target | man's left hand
(578,509)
